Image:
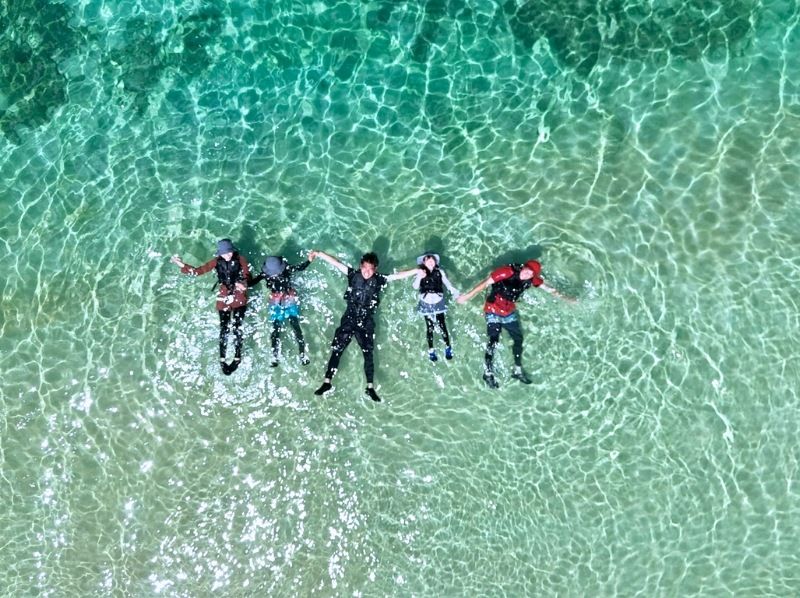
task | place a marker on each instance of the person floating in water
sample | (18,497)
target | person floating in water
(431,281)
(364,288)
(508,284)
(232,272)
(283,302)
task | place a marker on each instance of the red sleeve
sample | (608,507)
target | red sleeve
(207,267)
(502,273)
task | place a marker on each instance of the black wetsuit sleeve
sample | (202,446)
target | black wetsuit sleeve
(298,267)
(251,282)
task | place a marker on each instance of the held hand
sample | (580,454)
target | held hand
(462,299)
(311,255)
(177,261)
(423,271)
(240,286)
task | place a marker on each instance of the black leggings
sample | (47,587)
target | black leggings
(429,326)
(514,330)
(277,327)
(364,332)
(225,327)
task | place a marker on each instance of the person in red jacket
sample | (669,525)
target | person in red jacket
(508,284)
(232,271)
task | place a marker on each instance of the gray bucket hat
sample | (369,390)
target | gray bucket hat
(273,265)
(225,246)
(421,258)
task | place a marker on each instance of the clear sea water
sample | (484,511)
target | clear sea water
(645,151)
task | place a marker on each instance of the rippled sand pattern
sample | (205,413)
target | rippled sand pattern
(645,152)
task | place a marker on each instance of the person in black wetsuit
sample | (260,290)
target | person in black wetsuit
(364,288)
(508,284)
(232,272)
(283,302)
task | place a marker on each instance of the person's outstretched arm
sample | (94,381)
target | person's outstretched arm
(187,269)
(402,274)
(253,281)
(330,259)
(421,273)
(301,266)
(472,292)
(545,287)
(453,290)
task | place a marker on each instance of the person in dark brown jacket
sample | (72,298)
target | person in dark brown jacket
(232,271)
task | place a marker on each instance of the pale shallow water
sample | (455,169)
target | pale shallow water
(646,153)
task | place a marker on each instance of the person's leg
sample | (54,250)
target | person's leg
(443,327)
(275,341)
(429,331)
(493,332)
(365,336)
(515,331)
(294,322)
(224,328)
(341,338)
(238,338)
(429,326)
(238,317)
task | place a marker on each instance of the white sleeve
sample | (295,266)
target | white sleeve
(417,280)
(456,293)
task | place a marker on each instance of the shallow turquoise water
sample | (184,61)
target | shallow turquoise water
(645,152)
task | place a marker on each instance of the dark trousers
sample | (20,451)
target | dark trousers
(430,323)
(225,327)
(277,327)
(514,330)
(364,331)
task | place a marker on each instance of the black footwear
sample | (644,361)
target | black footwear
(233,365)
(326,386)
(522,377)
(372,394)
(226,368)
(304,359)
(490,381)
(273,363)
(448,353)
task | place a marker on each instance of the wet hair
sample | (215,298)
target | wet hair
(370,258)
